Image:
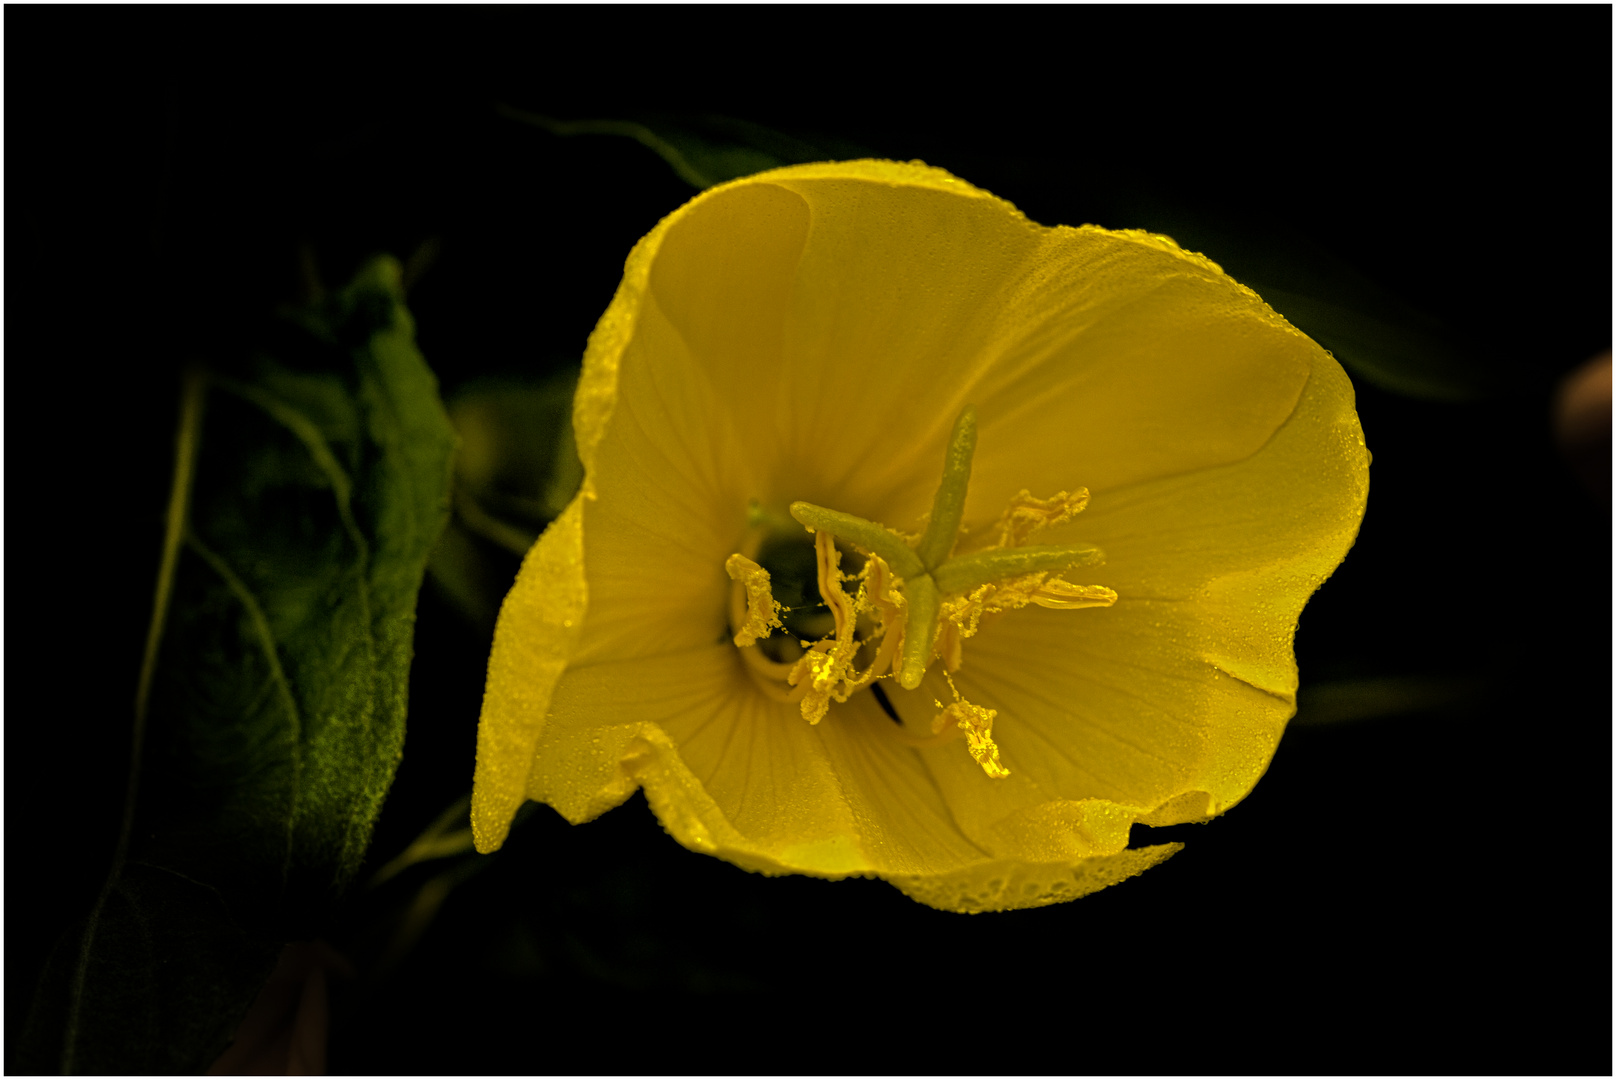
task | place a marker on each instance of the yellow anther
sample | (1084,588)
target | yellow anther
(1063,595)
(761,613)
(818,677)
(961,617)
(1026,516)
(977,723)
(1043,589)
(879,591)
(965,612)
(830,584)
(825,670)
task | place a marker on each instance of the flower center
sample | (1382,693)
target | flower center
(915,602)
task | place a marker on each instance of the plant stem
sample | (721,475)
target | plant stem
(193,391)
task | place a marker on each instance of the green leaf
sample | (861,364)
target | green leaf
(276,716)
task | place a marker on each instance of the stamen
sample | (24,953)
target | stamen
(1026,516)
(746,611)
(1064,596)
(762,612)
(823,672)
(877,592)
(879,587)
(961,615)
(830,585)
(977,723)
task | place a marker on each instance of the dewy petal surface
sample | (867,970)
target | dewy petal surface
(811,334)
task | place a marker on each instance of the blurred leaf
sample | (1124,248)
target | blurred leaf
(278,704)
(449,835)
(468,578)
(516,470)
(1375,335)
(703,150)
(725,148)
(517,456)
(1319,704)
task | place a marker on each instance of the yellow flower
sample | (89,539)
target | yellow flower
(1070,491)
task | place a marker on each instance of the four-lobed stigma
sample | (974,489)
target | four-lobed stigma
(916,602)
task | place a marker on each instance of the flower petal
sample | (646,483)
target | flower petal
(539,624)
(1130,360)
(811,334)
(896,315)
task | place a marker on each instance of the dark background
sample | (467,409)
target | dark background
(1421,892)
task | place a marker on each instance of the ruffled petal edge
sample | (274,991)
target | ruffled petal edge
(691,816)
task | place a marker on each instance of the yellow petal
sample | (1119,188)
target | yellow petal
(1008,884)
(731,773)
(539,624)
(1132,361)
(896,314)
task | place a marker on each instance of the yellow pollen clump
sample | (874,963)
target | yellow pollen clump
(922,600)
